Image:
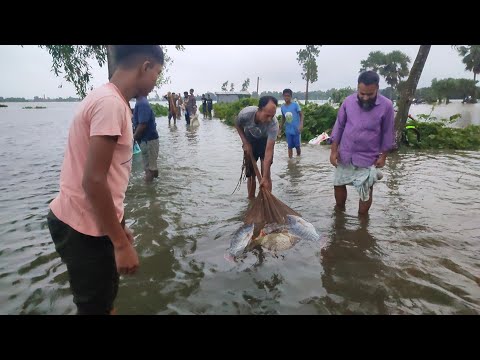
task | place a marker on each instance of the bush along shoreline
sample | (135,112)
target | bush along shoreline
(317,118)
(159,110)
(433,133)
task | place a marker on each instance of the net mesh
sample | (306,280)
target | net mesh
(266,208)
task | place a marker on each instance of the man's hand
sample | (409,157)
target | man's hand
(300,128)
(334,159)
(381,161)
(247,148)
(126,259)
(266,183)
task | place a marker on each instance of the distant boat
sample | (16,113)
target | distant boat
(34,107)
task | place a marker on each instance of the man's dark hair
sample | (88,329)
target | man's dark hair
(264,100)
(191,90)
(287,91)
(368,78)
(130,55)
(185,93)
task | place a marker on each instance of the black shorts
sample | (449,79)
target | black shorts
(258,148)
(91,267)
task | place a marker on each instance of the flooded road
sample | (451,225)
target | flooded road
(417,253)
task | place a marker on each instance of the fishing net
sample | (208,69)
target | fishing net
(266,208)
(268,223)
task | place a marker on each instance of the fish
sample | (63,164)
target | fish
(194,120)
(240,239)
(277,241)
(301,228)
(272,228)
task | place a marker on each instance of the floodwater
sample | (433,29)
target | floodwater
(417,253)
(470,113)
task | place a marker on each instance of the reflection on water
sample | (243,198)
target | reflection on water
(416,253)
(353,267)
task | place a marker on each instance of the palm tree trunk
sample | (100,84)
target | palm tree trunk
(475,90)
(406,95)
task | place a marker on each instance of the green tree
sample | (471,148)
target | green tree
(224,86)
(245,85)
(443,89)
(232,87)
(307,59)
(72,60)
(393,67)
(339,95)
(466,87)
(453,88)
(471,58)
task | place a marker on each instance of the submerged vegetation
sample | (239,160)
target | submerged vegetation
(433,133)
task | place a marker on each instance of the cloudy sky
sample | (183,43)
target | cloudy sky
(26,72)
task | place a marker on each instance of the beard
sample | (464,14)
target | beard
(367,105)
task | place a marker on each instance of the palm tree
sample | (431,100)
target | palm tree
(471,58)
(396,68)
(392,66)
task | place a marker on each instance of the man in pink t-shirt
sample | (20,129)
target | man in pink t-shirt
(86,219)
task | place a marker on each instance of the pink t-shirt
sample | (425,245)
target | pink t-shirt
(103,112)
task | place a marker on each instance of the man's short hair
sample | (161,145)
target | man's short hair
(287,91)
(264,100)
(130,55)
(368,78)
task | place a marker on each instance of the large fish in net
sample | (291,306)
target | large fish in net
(269,222)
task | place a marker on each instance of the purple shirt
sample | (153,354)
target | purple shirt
(363,134)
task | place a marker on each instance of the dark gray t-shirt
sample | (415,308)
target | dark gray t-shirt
(246,119)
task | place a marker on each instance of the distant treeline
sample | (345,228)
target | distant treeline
(38,99)
(446,89)
(443,89)
(300,95)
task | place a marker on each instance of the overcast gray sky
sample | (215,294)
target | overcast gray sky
(26,72)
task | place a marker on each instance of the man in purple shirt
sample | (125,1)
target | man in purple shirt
(361,138)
